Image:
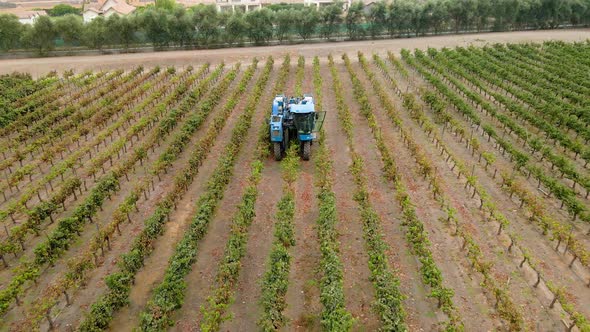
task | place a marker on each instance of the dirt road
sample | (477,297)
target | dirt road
(40,66)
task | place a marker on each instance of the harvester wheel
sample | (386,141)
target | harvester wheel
(306,150)
(277,150)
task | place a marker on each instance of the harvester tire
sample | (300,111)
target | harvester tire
(277,151)
(306,150)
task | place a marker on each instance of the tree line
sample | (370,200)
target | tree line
(166,24)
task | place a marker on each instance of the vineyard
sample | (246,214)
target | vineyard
(449,189)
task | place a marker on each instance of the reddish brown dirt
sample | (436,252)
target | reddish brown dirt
(41,66)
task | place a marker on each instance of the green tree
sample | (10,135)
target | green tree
(461,12)
(235,29)
(399,17)
(121,30)
(41,36)
(206,21)
(284,21)
(354,18)
(155,23)
(260,25)
(166,5)
(504,13)
(70,28)
(331,17)
(434,15)
(95,33)
(306,22)
(10,32)
(377,18)
(63,9)
(181,27)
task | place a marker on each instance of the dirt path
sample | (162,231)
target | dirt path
(41,66)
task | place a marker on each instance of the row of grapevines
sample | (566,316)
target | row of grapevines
(35,105)
(119,283)
(56,113)
(27,90)
(389,298)
(169,294)
(554,55)
(299,75)
(535,143)
(568,88)
(42,211)
(335,317)
(19,153)
(507,308)
(67,229)
(549,127)
(442,294)
(555,116)
(565,194)
(398,65)
(558,231)
(430,272)
(229,268)
(58,146)
(79,268)
(75,158)
(48,251)
(562,92)
(47,155)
